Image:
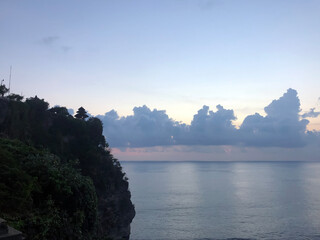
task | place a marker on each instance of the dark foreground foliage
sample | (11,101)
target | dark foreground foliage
(44,197)
(58,179)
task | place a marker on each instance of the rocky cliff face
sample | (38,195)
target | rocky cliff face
(118,218)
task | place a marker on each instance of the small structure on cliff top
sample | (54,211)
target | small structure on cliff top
(9,233)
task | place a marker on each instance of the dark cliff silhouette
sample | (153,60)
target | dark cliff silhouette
(58,179)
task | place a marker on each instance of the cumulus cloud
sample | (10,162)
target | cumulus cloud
(311,114)
(144,128)
(211,128)
(281,127)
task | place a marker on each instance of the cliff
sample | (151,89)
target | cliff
(73,186)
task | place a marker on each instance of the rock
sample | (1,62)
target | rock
(115,222)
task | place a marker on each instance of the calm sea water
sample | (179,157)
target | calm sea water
(218,200)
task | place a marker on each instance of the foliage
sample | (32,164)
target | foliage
(15,97)
(60,181)
(43,197)
(3,90)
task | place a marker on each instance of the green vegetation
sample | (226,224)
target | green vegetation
(58,179)
(43,197)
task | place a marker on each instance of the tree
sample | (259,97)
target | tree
(3,90)
(81,113)
(59,111)
(37,105)
(95,132)
(15,97)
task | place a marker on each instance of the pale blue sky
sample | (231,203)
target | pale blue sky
(175,55)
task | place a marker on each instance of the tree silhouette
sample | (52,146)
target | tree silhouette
(3,90)
(59,111)
(15,97)
(81,113)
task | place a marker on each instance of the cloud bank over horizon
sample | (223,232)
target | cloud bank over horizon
(282,126)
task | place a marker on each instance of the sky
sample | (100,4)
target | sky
(177,79)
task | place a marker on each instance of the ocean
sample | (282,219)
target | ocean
(224,200)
